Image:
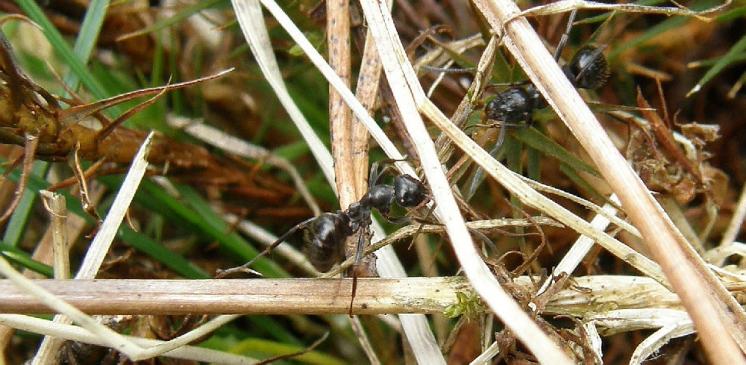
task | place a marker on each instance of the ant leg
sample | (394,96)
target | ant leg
(483,237)
(359,249)
(496,152)
(396,220)
(449,70)
(246,267)
(565,35)
(500,137)
(422,224)
(375,174)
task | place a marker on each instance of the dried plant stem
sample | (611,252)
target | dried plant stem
(563,6)
(587,294)
(242,296)
(249,15)
(717,316)
(56,205)
(340,122)
(74,333)
(101,243)
(367,92)
(340,118)
(395,61)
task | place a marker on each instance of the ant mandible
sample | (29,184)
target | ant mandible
(324,236)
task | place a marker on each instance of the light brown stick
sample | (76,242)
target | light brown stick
(587,294)
(241,296)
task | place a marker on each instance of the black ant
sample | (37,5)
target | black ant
(588,69)
(324,236)
(514,106)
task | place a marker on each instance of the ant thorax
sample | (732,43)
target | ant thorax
(380,197)
(358,215)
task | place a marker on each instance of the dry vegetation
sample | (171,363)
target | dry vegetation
(151,145)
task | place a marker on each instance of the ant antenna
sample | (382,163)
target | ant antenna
(565,35)
(246,268)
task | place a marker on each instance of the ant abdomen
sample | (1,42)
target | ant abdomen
(321,241)
(588,69)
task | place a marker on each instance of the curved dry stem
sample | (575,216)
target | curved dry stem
(409,231)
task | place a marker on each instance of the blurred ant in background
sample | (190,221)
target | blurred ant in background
(514,106)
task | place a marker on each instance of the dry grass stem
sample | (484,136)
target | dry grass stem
(585,203)
(584,295)
(57,208)
(564,6)
(736,222)
(74,333)
(685,270)
(250,19)
(340,119)
(99,247)
(394,61)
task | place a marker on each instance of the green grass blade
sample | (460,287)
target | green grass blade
(75,63)
(222,231)
(536,140)
(196,214)
(728,59)
(137,240)
(17,223)
(263,348)
(157,251)
(23,259)
(87,37)
(578,180)
(657,30)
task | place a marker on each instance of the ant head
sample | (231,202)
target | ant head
(588,69)
(409,191)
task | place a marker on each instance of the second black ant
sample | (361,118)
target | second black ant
(324,236)
(514,107)
(587,69)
